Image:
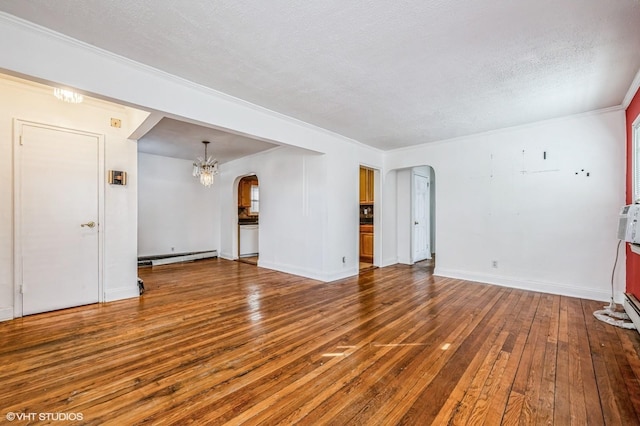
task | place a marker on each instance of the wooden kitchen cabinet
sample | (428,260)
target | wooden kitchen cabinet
(366,185)
(366,243)
(244,192)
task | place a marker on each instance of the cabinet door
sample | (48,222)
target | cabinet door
(366,247)
(363,185)
(369,186)
(245,193)
(366,186)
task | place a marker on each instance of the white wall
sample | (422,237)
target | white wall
(176,214)
(388,218)
(549,229)
(432,207)
(496,199)
(56,58)
(34,103)
(403,216)
(292,208)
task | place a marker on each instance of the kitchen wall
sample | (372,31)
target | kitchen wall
(36,103)
(176,214)
(550,224)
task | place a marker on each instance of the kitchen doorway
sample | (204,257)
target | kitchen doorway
(248,219)
(366,235)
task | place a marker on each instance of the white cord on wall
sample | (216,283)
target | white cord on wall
(608,314)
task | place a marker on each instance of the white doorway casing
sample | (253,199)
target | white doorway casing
(59,181)
(414,203)
(421,221)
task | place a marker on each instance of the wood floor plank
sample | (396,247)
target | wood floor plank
(220,342)
(617,406)
(562,401)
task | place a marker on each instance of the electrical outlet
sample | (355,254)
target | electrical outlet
(494,264)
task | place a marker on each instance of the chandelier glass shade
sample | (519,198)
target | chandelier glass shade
(205,167)
(67,95)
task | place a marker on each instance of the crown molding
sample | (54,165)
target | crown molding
(46,32)
(633,89)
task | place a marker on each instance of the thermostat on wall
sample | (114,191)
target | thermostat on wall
(117,177)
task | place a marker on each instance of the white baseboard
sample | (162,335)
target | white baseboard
(6,313)
(531,285)
(307,273)
(339,275)
(227,256)
(388,262)
(121,293)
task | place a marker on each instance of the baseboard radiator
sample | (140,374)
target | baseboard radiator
(632,308)
(175,258)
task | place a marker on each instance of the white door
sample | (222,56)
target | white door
(421,228)
(59,248)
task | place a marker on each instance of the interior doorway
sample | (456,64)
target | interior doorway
(416,215)
(248,219)
(367,218)
(420,216)
(58,217)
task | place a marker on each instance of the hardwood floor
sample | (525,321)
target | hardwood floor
(217,342)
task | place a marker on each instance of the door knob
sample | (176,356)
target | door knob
(91,224)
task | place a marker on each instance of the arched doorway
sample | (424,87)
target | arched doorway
(248,219)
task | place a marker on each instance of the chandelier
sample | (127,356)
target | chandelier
(205,168)
(67,95)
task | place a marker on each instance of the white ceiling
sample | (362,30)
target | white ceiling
(389,74)
(178,139)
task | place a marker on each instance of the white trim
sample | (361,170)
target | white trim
(6,313)
(389,261)
(633,89)
(226,256)
(377,218)
(18,124)
(121,293)
(32,27)
(530,285)
(307,273)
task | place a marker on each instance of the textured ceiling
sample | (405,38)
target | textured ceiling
(388,74)
(178,139)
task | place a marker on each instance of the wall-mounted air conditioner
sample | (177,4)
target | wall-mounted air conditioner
(629,224)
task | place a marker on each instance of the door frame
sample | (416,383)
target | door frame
(235,236)
(377,215)
(415,173)
(236,193)
(18,125)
